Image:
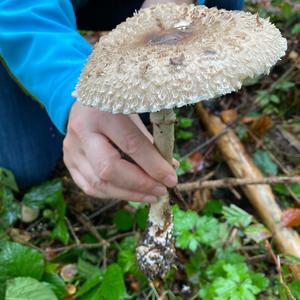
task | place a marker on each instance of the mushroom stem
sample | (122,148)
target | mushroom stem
(156,252)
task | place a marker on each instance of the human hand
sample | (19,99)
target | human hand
(96,165)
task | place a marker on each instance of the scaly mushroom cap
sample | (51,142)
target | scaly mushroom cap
(171,55)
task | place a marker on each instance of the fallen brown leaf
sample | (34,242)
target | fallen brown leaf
(229,116)
(291,217)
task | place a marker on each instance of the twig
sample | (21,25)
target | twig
(231,182)
(276,259)
(102,209)
(120,235)
(81,246)
(77,241)
(205,144)
(86,223)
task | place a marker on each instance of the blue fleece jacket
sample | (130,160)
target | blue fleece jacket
(41,47)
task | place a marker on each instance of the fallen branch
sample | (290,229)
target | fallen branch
(261,196)
(231,182)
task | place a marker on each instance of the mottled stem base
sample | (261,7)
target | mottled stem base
(156,252)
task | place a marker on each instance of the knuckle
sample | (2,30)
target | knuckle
(88,190)
(99,185)
(145,184)
(105,170)
(67,145)
(77,126)
(159,174)
(132,143)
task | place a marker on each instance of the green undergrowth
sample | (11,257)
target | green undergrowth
(211,260)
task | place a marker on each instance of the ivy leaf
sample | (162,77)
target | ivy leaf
(296,28)
(112,286)
(60,232)
(213,207)
(141,217)
(9,208)
(50,194)
(87,270)
(56,284)
(282,190)
(7,179)
(18,260)
(295,288)
(265,163)
(89,284)
(123,220)
(24,288)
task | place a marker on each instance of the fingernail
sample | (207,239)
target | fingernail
(150,199)
(170,180)
(160,190)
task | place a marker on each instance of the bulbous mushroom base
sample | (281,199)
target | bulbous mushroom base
(156,252)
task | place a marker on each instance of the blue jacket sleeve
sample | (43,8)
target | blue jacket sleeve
(42,49)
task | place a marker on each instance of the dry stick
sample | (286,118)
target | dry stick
(77,240)
(230,182)
(87,224)
(260,196)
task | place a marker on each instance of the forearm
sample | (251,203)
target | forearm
(148,3)
(43,50)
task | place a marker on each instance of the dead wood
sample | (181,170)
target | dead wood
(232,182)
(260,196)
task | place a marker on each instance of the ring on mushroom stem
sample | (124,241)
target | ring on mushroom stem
(197,53)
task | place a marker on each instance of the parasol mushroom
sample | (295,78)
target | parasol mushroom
(169,56)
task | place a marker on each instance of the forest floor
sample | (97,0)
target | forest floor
(76,247)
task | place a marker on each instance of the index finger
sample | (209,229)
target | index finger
(122,131)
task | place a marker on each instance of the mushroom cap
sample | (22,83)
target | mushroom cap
(172,55)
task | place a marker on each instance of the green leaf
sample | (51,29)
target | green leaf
(87,270)
(56,284)
(241,131)
(284,85)
(290,259)
(123,220)
(50,194)
(191,230)
(213,207)
(263,160)
(60,232)
(296,28)
(184,165)
(89,284)
(184,122)
(259,280)
(7,179)
(113,286)
(19,260)
(26,288)
(275,99)
(141,217)
(295,288)
(184,135)
(10,209)
(257,232)
(236,216)
(282,189)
